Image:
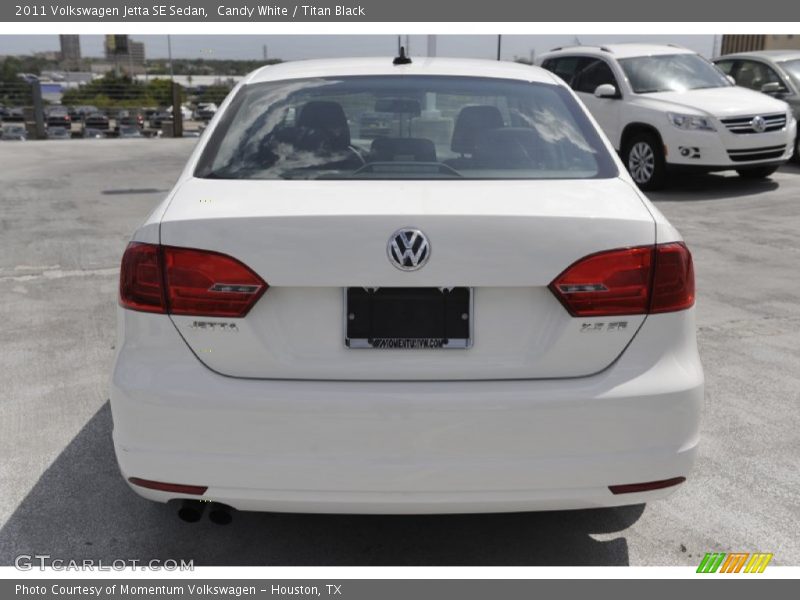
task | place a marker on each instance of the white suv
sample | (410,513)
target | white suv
(664,106)
(405,288)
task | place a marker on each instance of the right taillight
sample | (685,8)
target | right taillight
(628,281)
(673,284)
(186,281)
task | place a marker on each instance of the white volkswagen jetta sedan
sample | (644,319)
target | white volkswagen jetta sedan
(424,287)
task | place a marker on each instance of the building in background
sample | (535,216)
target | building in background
(70,51)
(750,43)
(125,54)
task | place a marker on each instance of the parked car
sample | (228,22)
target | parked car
(337,334)
(14,114)
(131,117)
(772,72)
(97,134)
(205,111)
(16,133)
(58,116)
(158,117)
(96,120)
(58,133)
(79,113)
(186,112)
(129,131)
(667,107)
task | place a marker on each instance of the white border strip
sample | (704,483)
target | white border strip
(349,28)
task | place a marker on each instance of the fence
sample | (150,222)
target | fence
(106,107)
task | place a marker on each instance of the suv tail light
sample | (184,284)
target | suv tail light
(184,281)
(628,281)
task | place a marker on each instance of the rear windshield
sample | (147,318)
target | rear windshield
(404,127)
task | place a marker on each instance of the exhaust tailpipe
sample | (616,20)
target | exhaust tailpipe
(220,514)
(191,510)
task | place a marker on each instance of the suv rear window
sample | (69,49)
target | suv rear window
(404,127)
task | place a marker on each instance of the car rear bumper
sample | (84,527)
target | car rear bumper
(407,447)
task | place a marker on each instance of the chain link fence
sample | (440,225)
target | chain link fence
(106,107)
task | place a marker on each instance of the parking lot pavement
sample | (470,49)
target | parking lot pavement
(67,210)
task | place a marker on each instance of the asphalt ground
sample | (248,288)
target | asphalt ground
(67,210)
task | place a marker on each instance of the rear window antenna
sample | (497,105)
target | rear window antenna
(402,59)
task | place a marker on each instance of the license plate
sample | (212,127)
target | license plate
(408,318)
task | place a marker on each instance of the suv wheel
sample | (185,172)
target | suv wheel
(797,148)
(757,172)
(644,158)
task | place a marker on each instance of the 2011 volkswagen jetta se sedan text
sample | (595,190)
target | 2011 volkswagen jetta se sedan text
(425,287)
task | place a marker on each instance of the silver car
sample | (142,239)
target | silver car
(773,72)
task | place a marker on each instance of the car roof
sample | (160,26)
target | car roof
(628,50)
(775,55)
(342,67)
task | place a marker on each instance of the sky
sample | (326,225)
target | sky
(293,47)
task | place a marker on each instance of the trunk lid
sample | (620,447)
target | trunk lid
(507,240)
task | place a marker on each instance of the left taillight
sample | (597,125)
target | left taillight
(141,280)
(187,281)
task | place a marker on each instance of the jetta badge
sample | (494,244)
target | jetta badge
(408,249)
(758,124)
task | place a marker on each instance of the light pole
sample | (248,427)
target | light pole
(169,54)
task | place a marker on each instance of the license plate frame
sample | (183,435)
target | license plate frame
(395,318)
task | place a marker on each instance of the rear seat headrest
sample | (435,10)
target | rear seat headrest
(471,123)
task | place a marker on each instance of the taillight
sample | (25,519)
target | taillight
(141,282)
(210,284)
(673,285)
(628,281)
(184,281)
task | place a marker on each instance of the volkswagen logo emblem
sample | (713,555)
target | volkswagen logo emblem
(758,124)
(408,249)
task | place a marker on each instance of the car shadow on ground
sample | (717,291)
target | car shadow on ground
(681,187)
(81,509)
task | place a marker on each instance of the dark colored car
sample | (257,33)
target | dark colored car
(133,118)
(158,117)
(78,113)
(58,116)
(96,120)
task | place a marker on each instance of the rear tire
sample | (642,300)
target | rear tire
(756,172)
(644,158)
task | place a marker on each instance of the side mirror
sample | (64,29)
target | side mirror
(773,87)
(731,79)
(606,90)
